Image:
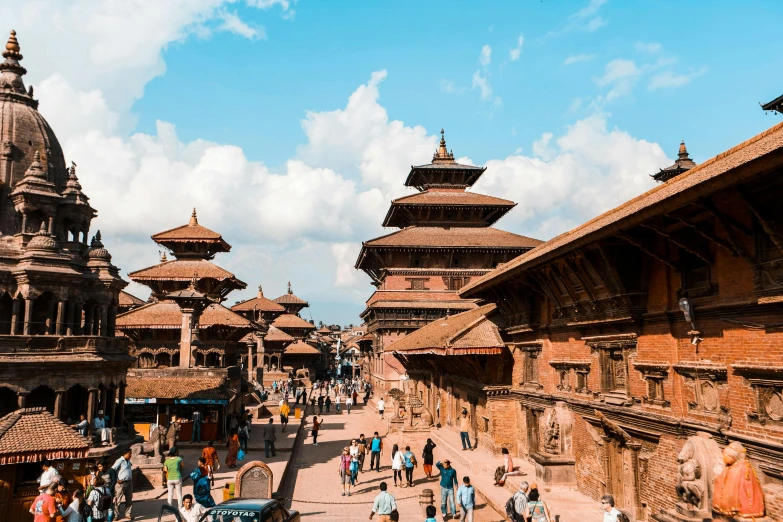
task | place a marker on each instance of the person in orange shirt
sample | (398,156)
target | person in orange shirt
(210,456)
(63,498)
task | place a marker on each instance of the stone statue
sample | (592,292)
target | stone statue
(699,462)
(737,488)
(154,445)
(552,442)
(172,434)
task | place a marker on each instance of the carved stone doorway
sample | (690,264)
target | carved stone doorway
(532,430)
(616,472)
(621,468)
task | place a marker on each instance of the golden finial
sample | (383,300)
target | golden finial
(260,291)
(193,218)
(289,288)
(163,257)
(442,154)
(12,44)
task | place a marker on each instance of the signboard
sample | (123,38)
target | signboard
(201,401)
(129,400)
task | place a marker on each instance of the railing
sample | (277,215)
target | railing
(21,344)
(206,346)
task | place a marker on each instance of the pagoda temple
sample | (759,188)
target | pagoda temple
(683,164)
(445,239)
(59,358)
(189,346)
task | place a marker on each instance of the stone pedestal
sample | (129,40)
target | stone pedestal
(148,476)
(555,470)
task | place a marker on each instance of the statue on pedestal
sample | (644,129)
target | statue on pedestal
(738,491)
(552,442)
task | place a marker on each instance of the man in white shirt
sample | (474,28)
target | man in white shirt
(49,476)
(611,513)
(191,511)
(82,426)
(99,427)
(381,406)
(123,490)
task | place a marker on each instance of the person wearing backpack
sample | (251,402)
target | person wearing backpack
(99,500)
(611,513)
(410,463)
(516,506)
(537,510)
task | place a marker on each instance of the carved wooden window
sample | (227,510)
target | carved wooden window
(581,381)
(613,356)
(580,368)
(564,382)
(767,383)
(455,283)
(530,355)
(707,381)
(418,283)
(655,374)
(695,276)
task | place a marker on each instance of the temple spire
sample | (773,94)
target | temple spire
(193,218)
(683,153)
(11,71)
(442,155)
(289,288)
(260,291)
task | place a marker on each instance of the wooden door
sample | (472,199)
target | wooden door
(532,431)
(616,473)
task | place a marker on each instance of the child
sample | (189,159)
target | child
(431,511)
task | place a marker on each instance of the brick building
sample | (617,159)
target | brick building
(445,240)
(640,335)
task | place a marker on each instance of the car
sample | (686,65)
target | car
(238,510)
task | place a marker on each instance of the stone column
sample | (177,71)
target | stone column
(51,225)
(21,399)
(24,222)
(59,399)
(28,315)
(186,334)
(121,406)
(91,402)
(104,399)
(69,326)
(15,316)
(104,320)
(112,324)
(112,406)
(88,320)
(60,317)
(250,362)
(50,319)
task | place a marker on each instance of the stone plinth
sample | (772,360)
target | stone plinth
(555,469)
(148,476)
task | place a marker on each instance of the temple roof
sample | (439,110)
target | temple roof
(276,335)
(453,237)
(691,186)
(443,171)
(324,330)
(260,303)
(34,434)
(413,295)
(178,238)
(424,304)
(445,198)
(289,298)
(167,315)
(775,105)
(292,321)
(470,332)
(683,164)
(185,270)
(185,387)
(301,348)
(126,300)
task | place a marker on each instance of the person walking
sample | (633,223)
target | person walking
(285,409)
(611,513)
(466,499)
(98,501)
(426,455)
(344,469)
(209,454)
(431,511)
(321,405)
(123,489)
(316,427)
(362,443)
(383,505)
(44,507)
(519,503)
(233,450)
(397,463)
(537,509)
(348,404)
(191,511)
(464,426)
(195,435)
(376,450)
(381,406)
(173,467)
(269,438)
(73,512)
(244,435)
(410,463)
(448,481)
(202,488)
(337,400)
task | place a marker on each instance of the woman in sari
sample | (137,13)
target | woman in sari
(202,489)
(233,450)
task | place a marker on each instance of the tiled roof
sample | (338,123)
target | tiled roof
(461,304)
(412,295)
(690,186)
(190,232)
(290,299)
(470,332)
(34,434)
(125,299)
(292,321)
(167,314)
(181,387)
(301,348)
(261,304)
(324,330)
(183,270)
(457,197)
(277,335)
(461,237)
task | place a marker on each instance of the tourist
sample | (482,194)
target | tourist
(448,481)
(611,513)
(410,463)
(428,458)
(243,432)
(123,489)
(285,409)
(100,429)
(233,422)
(507,469)
(61,497)
(73,512)
(316,427)
(195,435)
(48,476)
(213,462)
(397,463)
(43,507)
(191,511)
(108,474)
(381,406)
(519,503)
(269,438)
(337,399)
(383,505)
(466,499)
(376,450)
(537,510)
(366,397)
(99,500)
(348,404)
(354,469)
(233,450)
(431,511)
(82,426)
(202,488)
(355,396)
(344,469)
(321,404)
(173,467)
(464,426)
(362,443)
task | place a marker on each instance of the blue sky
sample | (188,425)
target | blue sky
(291,125)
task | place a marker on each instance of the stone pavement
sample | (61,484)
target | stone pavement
(317,491)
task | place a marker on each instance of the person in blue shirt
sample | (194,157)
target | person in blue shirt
(410,463)
(431,511)
(376,450)
(448,480)
(466,498)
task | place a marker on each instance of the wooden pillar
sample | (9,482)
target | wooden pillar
(112,324)
(50,317)
(250,364)
(60,317)
(104,320)
(21,399)
(59,399)
(15,316)
(104,399)
(88,320)
(70,306)
(28,315)
(186,336)
(121,406)
(112,406)
(91,402)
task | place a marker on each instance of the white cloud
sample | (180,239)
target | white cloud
(578,58)
(515,53)
(233,24)
(582,20)
(481,83)
(648,47)
(486,55)
(669,79)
